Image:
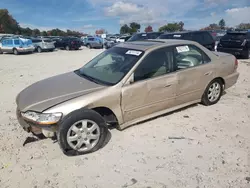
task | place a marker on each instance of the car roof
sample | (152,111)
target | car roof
(153,43)
(184,32)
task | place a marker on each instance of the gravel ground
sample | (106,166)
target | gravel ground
(214,152)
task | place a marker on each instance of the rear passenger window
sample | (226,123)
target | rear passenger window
(187,56)
(9,42)
(16,42)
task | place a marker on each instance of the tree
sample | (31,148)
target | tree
(172,27)
(100,31)
(8,23)
(213,26)
(181,24)
(36,32)
(134,27)
(222,24)
(244,26)
(125,29)
(44,33)
(149,29)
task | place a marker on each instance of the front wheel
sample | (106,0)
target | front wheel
(67,48)
(39,50)
(82,131)
(212,93)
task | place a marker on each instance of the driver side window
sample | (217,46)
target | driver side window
(157,63)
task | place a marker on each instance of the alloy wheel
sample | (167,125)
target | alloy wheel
(214,92)
(83,135)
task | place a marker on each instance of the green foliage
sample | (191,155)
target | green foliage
(222,24)
(132,28)
(125,29)
(9,25)
(172,27)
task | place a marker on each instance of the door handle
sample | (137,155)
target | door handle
(208,73)
(168,85)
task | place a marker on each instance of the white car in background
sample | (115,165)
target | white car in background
(123,39)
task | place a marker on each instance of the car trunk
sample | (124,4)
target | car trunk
(48,44)
(233,40)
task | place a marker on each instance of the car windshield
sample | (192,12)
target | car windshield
(111,66)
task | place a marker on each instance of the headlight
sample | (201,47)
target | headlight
(42,118)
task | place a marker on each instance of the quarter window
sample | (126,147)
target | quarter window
(157,63)
(187,56)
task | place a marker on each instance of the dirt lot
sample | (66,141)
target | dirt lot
(215,151)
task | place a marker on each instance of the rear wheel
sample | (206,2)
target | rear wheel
(15,51)
(1,52)
(39,49)
(212,93)
(88,46)
(82,131)
(67,48)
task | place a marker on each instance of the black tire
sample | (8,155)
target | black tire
(15,51)
(67,48)
(1,52)
(39,49)
(88,46)
(74,117)
(205,97)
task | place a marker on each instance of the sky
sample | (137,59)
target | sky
(89,15)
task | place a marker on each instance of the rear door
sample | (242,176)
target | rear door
(154,86)
(194,70)
(233,40)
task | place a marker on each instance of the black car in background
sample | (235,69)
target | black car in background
(144,36)
(68,43)
(236,43)
(203,37)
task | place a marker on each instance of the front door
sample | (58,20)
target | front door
(154,86)
(194,71)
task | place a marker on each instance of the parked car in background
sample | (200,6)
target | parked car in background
(43,44)
(144,36)
(126,84)
(93,42)
(109,43)
(203,37)
(236,43)
(16,45)
(68,43)
(123,39)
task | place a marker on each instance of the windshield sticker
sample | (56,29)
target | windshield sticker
(182,49)
(133,52)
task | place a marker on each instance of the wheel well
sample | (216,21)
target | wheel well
(107,114)
(221,79)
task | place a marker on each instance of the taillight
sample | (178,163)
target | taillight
(236,63)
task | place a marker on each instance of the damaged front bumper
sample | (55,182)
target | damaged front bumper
(33,127)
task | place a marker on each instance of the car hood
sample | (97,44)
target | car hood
(52,91)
